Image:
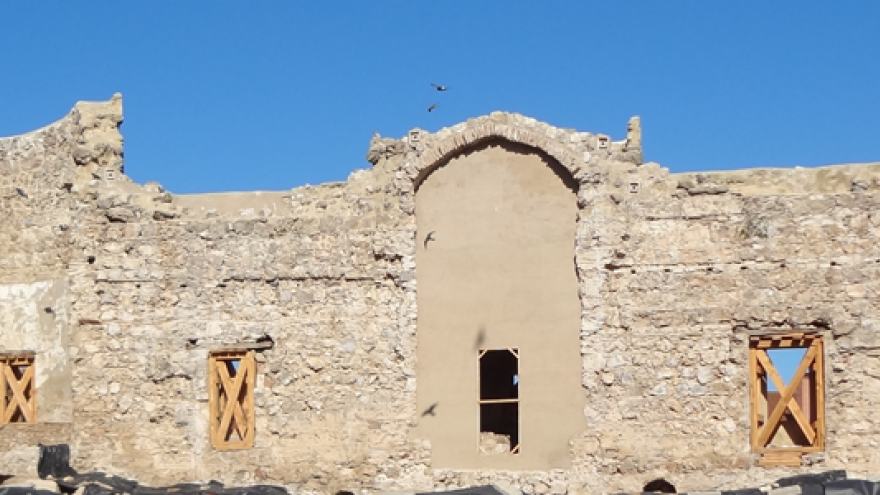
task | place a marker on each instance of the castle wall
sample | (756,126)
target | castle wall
(674,274)
(36,172)
(331,394)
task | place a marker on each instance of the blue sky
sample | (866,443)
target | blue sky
(786,362)
(271,95)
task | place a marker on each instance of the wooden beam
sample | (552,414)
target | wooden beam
(783,343)
(784,458)
(499,401)
(819,378)
(3,404)
(20,400)
(754,396)
(233,409)
(793,406)
(786,396)
(214,401)
(248,403)
(765,334)
(8,355)
(760,339)
(244,347)
(30,378)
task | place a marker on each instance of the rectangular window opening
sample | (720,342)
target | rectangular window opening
(499,401)
(18,395)
(786,397)
(231,375)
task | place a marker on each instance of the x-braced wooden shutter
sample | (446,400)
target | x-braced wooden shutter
(797,407)
(18,395)
(231,383)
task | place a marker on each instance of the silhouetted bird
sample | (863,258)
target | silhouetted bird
(430,411)
(21,192)
(432,107)
(429,237)
(440,87)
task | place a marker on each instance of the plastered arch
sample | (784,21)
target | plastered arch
(575,151)
(498,272)
(439,151)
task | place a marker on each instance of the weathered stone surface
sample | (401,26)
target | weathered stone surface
(673,273)
(786,490)
(35,483)
(35,317)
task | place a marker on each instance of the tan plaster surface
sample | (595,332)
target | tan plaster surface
(499,274)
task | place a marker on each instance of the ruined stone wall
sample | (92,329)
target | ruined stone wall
(335,389)
(674,272)
(38,221)
(690,277)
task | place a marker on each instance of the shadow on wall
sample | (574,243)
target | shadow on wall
(659,485)
(510,147)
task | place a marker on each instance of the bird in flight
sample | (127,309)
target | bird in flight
(439,87)
(431,410)
(429,237)
(432,107)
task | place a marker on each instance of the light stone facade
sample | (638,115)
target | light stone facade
(122,290)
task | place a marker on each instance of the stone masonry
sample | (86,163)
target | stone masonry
(122,290)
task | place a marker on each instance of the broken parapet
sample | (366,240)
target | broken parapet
(570,147)
(634,138)
(834,179)
(98,147)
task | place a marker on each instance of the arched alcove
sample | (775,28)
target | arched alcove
(497,283)
(510,147)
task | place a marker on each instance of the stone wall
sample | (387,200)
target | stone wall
(34,318)
(674,273)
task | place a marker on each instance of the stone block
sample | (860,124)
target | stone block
(786,490)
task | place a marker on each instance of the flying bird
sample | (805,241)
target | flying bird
(429,237)
(431,410)
(432,107)
(440,87)
(21,192)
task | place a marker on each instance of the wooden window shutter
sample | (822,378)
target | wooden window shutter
(231,380)
(18,392)
(795,411)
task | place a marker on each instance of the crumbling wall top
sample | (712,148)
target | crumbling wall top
(89,134)
(422,151)
(832,179)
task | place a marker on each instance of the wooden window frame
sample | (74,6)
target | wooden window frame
(761,369)
(231,399)
(515,352)
(18,395)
